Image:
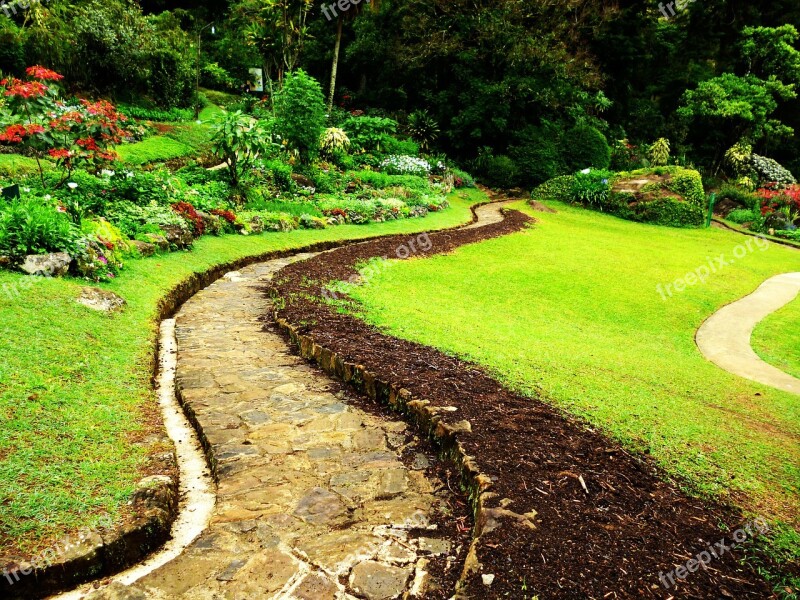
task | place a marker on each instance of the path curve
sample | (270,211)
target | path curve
(724,338)
(313,500)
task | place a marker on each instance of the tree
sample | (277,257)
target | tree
(300,113)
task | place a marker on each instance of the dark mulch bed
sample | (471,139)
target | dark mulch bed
(610,540)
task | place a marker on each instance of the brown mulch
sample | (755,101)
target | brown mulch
(609,539)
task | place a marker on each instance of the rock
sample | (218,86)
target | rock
(375,581)
(47,265)
(487,579)
(101,300)
(256,224)
(5,261)
(433,546)
(316,587)
(145,249)
(319,506)
(777,221)
(302,181)
(212,223)
(177,236)
(159,241)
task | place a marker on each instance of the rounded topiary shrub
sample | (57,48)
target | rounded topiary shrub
(500,171)
(583,147)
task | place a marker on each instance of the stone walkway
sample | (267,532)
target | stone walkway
(724,338)
(313,500)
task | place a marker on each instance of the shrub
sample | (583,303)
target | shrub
(300,113)
(217,78)
(369,134)
(239,140)
(669,212)
(592,188)
(689,184)
(333,141)
(423,128)
(462,179)
(30,225)
(583,147)
(558,188)
(736,194)
(500,171)
(659,152)
(156,114)
(770,171)
(406,165)
(743,215)
(171,78)
(392,145)
(739,158)
(281,175)
(190,215)
(538,158)
(133,220)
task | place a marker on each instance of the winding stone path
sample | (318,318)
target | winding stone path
(313,500)
(724,338)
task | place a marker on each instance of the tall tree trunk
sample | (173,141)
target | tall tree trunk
(335,65)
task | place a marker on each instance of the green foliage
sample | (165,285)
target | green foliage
(743,215)
(499,171)
(392,145)
(333,141)
(133,219)
(423,128)
(668,212)
(300,114)
(592,189)
(281,174)
(771,52)
(239,140)
(369,134)
(584,147)
(217,78)
(12,47)
(170,79)
(659,152)
(538,155)
(558,188)
(158,148)
(741,196)
(689,184)
(30,225)
(156,114)
(462,179)
(769,170)
(15,166)
(738,159)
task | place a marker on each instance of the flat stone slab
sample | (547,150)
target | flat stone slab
(312,495)
(724,338)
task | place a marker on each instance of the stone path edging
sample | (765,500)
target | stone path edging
(722,224)
(724,338)
(95,558)
(429,420)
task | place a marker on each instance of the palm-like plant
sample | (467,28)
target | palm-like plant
(423,128)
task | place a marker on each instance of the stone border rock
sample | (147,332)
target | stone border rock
(155,501)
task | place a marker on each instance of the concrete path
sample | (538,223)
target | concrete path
(724,338)
(313,501)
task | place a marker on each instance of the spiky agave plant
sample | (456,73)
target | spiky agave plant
(334,140)
(423,128)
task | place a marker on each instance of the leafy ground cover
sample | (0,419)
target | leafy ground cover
(775,339)
(75,389)
(571,311)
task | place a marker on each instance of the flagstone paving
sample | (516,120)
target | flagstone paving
(313,499)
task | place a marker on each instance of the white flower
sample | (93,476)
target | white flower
(586,171)
(27,190)
(107,173)
(47,196)
(72,185)
(129,174)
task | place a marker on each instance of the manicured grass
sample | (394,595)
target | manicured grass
(570,311)
(15,166)
(777,338)
(75,388)
(158,148)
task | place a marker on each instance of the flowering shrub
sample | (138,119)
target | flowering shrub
(73,135)
(188,212)
(769,170)
(406,165)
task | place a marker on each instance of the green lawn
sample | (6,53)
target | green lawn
(570,311)
(75,386)
(777,338)
(16,166)
(157,148)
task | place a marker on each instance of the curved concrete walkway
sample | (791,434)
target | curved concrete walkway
(724,338)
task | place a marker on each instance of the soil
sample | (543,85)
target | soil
(608,522)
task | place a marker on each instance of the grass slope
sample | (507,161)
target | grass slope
(570,311)
(777,338)
(75,387)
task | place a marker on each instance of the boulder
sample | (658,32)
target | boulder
(178,236)
(302,180)
(159,241)
(5,261)
(212,223)
(256,224)
(47,265)
(101,300)
(777,221)
(146,249)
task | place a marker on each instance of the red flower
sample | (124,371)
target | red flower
(59,153)
(13,134)
(39,72)
(30,89)
(88,144)
(34,128)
